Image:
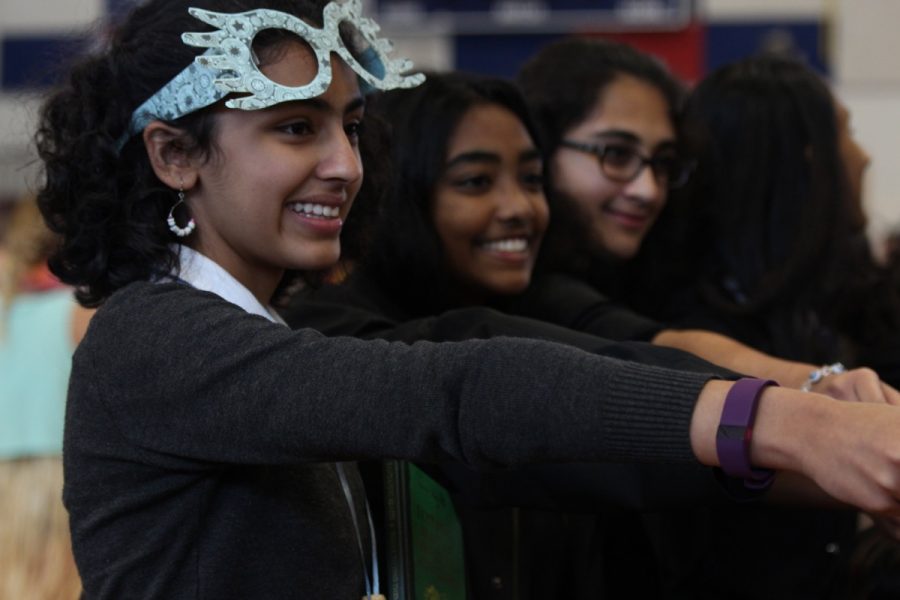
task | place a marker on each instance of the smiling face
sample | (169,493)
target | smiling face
(489,208)
(615,217)
(281,180)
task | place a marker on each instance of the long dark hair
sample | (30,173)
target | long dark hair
(109,206)
(777,232)
(562,84)
(405,254)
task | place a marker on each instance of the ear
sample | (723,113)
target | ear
(169,158)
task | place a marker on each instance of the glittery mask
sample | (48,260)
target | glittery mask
(230,66)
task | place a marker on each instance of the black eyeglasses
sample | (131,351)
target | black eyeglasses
(623,164)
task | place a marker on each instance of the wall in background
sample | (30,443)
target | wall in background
(26,30)
(864,45)
(827,33)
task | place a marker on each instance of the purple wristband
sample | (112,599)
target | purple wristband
(736,430)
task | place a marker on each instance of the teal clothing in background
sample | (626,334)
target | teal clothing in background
(35,360)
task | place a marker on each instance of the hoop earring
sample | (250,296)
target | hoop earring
(173,226)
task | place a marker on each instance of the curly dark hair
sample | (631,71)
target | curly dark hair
(109,206)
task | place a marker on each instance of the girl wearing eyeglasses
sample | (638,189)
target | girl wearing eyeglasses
(610,117)
(460,229)
(615,148)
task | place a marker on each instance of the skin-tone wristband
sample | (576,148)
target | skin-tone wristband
(736,431)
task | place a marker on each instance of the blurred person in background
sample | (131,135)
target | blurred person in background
(775,254)
(40,325)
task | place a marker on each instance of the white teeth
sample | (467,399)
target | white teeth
(318,210)
(507,245)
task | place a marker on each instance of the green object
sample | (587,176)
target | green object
(423,537)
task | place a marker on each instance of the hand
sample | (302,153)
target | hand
(857,385)
(849,449)
(852,450)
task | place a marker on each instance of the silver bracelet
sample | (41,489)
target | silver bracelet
(821,373)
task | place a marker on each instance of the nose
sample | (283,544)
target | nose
(646,187)
(340,159)
(513,203)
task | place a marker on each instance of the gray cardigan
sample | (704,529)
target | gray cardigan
(197,437)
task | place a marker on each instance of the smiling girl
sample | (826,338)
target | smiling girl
(460,228)
(491,245)
(201,434)
(611,118)
(465,216)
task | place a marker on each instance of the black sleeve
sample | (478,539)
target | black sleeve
(572,303)
(217,385)
(883,358)
(588,487)
(343,310)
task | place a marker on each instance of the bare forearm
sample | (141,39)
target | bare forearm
(850,450)
(731,354)
(859,385)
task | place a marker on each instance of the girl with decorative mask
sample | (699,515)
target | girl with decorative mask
(210,149)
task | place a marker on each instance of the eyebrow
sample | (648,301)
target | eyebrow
(321,105)
(530,155)
(620,134)
(476,156)
(480,156)
(627,136)
(356,103)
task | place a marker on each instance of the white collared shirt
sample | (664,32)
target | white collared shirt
(205,274)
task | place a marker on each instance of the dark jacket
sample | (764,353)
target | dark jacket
(199,438)
(558,548)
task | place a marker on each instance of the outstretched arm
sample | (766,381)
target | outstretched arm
(574,304)
(851,450)
(858,384)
